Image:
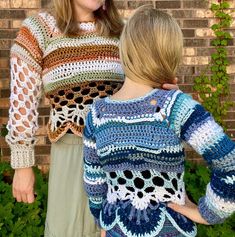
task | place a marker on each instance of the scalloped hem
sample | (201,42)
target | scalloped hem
(164,216)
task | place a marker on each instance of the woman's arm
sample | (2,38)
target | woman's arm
(26,88)
(94,175)
(201,132)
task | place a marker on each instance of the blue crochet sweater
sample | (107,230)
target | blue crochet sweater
(134,162)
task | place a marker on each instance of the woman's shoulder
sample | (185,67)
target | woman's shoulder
(42,20)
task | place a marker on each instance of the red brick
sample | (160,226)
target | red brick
(4,24)
(135,4)
(5,151)
(186,70)
(195,4)
(4,63)
(182,13)
(195,23)
(4,44)
(12,14)
(43,159)
(4,83)
(168,4)
(188,33)
(4,103)
(42,150)
(187,88)
(4,73)
(8,34)
(195,42)
(44,111)
(230,124)
(5,93)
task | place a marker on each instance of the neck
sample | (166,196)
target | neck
(82,14)
(131,90)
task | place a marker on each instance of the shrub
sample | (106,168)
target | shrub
(196,179)
(27,220)
(19,219)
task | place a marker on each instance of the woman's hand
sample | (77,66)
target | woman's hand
(103,233)
(23,185)
(190,210)
(172,86)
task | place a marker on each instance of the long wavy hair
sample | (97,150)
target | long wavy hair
(151,47)
(108,22)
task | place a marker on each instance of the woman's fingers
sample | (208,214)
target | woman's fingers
(26,197)
(30,197)
(190,210)
(103,233)
(172,86)
(23,185)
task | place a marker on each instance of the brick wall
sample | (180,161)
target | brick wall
(194,17)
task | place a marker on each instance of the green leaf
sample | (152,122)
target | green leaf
(215,27)
(215,7)
(224,5)
(224,42)
(3,131)
(215,56)
(214,68)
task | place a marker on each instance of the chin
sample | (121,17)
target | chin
(92,5)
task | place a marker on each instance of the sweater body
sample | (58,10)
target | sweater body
(71,72)
(134,162)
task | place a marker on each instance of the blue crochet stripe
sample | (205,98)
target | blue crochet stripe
(219,149)
(164,156)
(198,117)
(96,190)
(136,144)
(222,188)
(158,162)
(210,216)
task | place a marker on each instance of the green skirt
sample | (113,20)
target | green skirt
(68,213)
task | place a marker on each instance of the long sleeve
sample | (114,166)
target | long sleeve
(26,88)
(94,176)
(205,136)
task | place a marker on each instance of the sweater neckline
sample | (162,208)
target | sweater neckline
(87,25)
(138,99)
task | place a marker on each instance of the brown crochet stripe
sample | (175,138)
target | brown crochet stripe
(70,54)
(28,42)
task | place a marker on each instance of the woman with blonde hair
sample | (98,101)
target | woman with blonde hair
(133,142)
(71,56)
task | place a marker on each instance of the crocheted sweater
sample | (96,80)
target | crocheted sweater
(70,71)
(134,162)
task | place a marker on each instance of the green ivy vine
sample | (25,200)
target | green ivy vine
(213,90)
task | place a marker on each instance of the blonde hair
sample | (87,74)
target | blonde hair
(151,47)
(108,22)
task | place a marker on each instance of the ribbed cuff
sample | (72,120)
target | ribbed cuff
(208,214)
(22,156)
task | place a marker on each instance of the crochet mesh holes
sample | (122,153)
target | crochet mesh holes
(25,90)
(144,182)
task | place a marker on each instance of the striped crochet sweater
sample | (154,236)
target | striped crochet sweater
(134,162)
(70,71)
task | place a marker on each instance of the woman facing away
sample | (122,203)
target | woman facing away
(133,142)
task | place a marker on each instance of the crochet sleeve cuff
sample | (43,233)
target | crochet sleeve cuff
(210,214)
(22,156)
